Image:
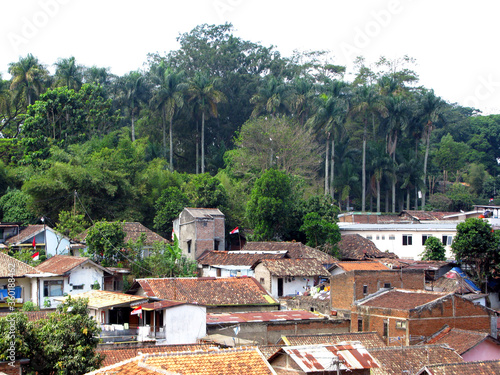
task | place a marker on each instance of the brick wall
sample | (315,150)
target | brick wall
(265,333)
(350,286)
(453,311)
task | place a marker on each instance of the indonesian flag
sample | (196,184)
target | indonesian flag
(235,230)
(36,256)
(173,236)
(34,243)
(137,311)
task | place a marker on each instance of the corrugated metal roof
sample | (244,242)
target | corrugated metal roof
(346,355)
(99,299)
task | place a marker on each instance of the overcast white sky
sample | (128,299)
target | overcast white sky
(455,42)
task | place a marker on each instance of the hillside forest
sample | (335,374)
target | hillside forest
(279,144)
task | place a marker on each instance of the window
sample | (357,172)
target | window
(392,237)
(378,238)
(407,240)
(52,288)
(189,246)
(369,237)
(386,328)
(78,287)
(387,285)
(383,237)
(261,281)
(400,324)
(360,325)
(216,244)
(365,289)
(424,238)
(447,240)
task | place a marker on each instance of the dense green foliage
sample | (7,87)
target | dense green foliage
(434,249)
(476,246)
(63,344)
(201,125)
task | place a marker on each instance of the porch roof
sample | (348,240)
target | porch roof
(100,299)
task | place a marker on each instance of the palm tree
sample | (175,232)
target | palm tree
(397,119)
(410,171)
(134,91)
(367,103)
(271,97)
(168,91)
(380,164)
(432,108)
(28,77)
(201,89)
(301,98)
(330,114)
(347,175)
(69,74)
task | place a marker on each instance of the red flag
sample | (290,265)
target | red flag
(235,230)
(173,236)
(34,243)
(36,256)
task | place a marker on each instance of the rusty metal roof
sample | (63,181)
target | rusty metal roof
(349,355)
(262,316)
(364,265)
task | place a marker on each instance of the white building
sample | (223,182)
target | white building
(176,322)
(405,240)
(65,274)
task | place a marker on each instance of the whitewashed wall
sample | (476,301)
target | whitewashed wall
(185,324)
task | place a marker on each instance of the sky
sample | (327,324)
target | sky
(453,42)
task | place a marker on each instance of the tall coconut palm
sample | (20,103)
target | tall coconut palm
(328,118)
(367,103)
(271,97)
(380,164)
(69,74)
(301,98)
(28,78)
(202,90)
(398,115)
(134,91)
(432,108)
(168,96)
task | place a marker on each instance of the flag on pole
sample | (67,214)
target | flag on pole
(137,311)
(34,243)
(36,256)
(234,231)
(173,236)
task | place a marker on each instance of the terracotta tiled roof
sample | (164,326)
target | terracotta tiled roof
(458,339)
(397,360)
(208,291)
(133,231)
(237,258)
(248,361)
(25,234)
(368,339)
(402,299)
(294,249)
(261,316)
(112,356)
(357,247)
(10,266)
(361,266)
(102,298)
(61,264)
(295,267)
(269,350)
(464,368)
